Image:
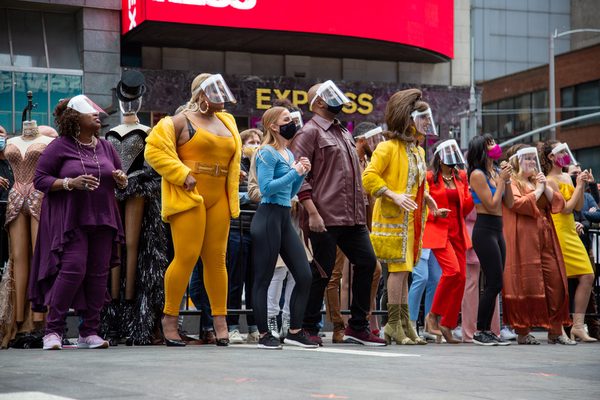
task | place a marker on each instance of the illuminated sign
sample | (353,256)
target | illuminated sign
(361,103)
(427,24)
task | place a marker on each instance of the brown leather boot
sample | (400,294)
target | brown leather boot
(338,332)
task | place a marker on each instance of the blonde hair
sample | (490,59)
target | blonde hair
(248,133)
(270,117)
(517,172)
(193,105)
(397,114)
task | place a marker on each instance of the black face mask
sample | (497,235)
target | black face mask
(574,179)
(288,130)
(335,110)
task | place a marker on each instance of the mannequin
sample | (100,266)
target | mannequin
(137,292)
(22,219)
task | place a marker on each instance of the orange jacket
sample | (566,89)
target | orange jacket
(436,229)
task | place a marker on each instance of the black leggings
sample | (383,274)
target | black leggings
(273,234)
(489,245)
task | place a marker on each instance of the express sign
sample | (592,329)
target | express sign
(427,24)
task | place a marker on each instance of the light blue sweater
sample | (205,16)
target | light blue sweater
(277,180)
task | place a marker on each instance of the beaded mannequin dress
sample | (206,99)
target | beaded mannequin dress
(22,218)
(137,290)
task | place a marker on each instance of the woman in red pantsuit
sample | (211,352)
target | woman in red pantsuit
(446,235)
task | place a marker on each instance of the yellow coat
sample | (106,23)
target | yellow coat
(161,154)
(399,167)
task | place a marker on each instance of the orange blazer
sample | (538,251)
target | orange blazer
(436,229)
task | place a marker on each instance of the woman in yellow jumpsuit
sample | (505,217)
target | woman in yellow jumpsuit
(198,155)
(396,177)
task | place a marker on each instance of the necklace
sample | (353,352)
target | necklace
(90,144)
(30,134)
(94,158)
(448,179)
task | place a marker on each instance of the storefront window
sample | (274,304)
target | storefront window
(27,38)
(6,101)
(505,121)
(4,42)
(38,84)
(523,114)
(62,41)
(62,87)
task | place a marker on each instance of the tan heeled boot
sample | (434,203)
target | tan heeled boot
(393,328)
(408,328)
(578,329)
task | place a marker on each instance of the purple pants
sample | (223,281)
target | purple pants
(82,279)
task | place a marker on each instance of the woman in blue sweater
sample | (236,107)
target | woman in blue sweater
(279,178)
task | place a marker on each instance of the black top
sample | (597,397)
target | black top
(6,172)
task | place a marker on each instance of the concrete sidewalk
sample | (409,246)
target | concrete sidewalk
(342,371)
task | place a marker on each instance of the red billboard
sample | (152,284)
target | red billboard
(428,24)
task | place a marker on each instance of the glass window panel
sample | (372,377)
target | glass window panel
(61,35)
(490,122)
(27,38)
(38,84)
(587,95)
(567,100)
(589,159)
(523,116)
(62,87)
(4,42)
(539,100)
(505,121)
(6,119)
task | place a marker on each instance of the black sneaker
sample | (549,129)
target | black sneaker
(299,339)
(500,341)
(483,339)
(269,342)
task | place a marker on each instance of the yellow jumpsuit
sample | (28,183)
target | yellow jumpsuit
(199,219)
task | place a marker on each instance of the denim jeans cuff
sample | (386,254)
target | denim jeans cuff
(252,328)
(233,327)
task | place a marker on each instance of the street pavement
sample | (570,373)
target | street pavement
(335,371)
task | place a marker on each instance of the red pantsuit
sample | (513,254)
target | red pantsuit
(449,241)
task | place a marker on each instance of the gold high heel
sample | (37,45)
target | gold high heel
(579,331)
(408,328)
(393,329)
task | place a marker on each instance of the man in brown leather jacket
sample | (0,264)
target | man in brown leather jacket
(332,196)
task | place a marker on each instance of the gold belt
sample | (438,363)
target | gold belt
(207,169)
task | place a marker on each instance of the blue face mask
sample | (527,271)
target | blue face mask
(2,143)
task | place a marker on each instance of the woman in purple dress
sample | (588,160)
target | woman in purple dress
(79,223)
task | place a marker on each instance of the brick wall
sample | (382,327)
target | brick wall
(570,69)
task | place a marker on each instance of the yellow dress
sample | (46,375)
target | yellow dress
(397,235)
(577,261)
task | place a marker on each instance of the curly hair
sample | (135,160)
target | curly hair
(397,114)
(517,172)
(544,150)
(66,119)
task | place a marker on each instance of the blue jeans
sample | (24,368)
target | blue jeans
(240,268)
(200,297)
(425,278)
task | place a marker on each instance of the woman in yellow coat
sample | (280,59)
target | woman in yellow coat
(198,153)
(396,177)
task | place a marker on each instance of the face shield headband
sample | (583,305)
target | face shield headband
(563,155)
(424,122)
(84,105)
(450,153)
(528,160)
(216,90)
(331,95)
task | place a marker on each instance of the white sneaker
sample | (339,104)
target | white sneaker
(253,337)
(285,327)
(272,325)
(235,337)
(507,334)
(457,333)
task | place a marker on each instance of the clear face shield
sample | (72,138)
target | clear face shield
(297,118)
(563,155)
(450,153)
(130,107)
(370,133)
(216,90)
(424,122)
(331,95)
(528,160)
(84,105)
